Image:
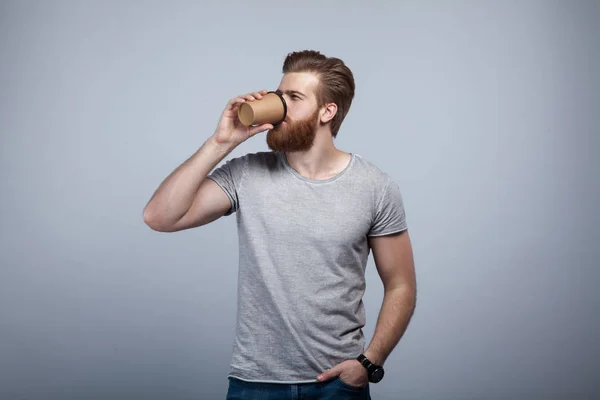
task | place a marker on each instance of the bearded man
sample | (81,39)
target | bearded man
(308,215)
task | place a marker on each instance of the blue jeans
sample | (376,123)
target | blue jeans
(333,389)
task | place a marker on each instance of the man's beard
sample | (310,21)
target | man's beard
(295,135)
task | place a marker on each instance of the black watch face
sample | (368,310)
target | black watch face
(377,375)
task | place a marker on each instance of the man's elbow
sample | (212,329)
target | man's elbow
(152,220)
(406,294)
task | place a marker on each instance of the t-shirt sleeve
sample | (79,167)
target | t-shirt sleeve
(229,177)
(390,215)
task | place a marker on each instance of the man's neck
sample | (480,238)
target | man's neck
(322,161)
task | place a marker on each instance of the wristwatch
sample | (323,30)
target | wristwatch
(375,371)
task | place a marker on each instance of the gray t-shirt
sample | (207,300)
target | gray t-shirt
(302,255)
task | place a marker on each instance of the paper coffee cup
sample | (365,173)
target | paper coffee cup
(271,109)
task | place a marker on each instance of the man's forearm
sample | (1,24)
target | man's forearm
(396,311)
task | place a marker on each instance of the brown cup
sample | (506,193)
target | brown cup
(271,109)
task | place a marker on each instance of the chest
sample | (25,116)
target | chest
(329,214)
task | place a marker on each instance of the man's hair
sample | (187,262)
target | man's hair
(336,81)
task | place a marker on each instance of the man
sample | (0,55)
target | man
(308,215)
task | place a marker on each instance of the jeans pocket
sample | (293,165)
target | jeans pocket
(349,386)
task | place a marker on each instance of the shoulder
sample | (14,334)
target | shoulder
(260,160)
(371,172)
(257,162)
(253,159)
(262,157)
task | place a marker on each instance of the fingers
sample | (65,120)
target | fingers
(254,95)
(245,97)
(256,129)
(233,103)
(330,373)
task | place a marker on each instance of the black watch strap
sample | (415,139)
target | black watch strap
(375,372)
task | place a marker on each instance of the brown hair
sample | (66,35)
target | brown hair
(336,81)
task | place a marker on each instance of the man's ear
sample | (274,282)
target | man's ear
(328,112)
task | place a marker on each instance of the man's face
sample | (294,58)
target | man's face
(298,131)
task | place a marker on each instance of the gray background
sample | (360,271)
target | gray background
(486,113)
